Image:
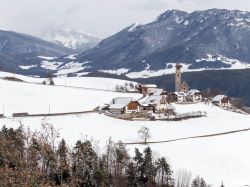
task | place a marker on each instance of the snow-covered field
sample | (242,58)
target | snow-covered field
(97,83)
(222,158)
(33,98)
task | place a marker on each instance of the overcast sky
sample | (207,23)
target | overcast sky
(100,17)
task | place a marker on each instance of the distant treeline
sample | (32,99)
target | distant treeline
(43,159)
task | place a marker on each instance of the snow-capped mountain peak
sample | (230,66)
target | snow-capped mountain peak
(71,38)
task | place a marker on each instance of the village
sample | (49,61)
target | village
(158,104)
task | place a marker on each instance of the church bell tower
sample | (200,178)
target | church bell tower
(178,77)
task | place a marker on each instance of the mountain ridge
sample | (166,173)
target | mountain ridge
(177,37)
(18,49)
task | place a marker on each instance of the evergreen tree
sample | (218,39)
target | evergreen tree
(165,172)
(33,156)
(131,175)
(149,169)
(101,175)
(199,182)
(121,157)
(139,160)
(84,161)
(196,182)
(203,183)
(63,173)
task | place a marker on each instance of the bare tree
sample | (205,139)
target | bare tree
(183,178)
(144,133)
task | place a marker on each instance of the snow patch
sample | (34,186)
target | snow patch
(186,22)
(46,57)
(71,57)
(116,72)
(133,27)
(71,67)
(235,63)
(28,67)
(50,65)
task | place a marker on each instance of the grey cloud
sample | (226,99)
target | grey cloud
(74,9)
(149,5)
(101,17)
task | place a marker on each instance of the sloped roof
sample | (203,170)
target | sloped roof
(153,100)
(218,98)
(193,91)
(184,83)
(120,102)
(149,85)
(117,106)
(180,94)
(158,91)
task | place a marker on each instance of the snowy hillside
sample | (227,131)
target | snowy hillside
(96,83)
(34,98)
(221,158)
(70,38)
(207,39)
(230,64)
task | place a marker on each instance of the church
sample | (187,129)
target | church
(179,85)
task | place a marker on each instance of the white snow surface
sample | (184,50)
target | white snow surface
(50,65)
(147,73)
(133,27)
(71,67)
(72,57)
(69,37)
(46,57)
(35,99)
(223,158)
(115,72)
(28,66)
(97,83)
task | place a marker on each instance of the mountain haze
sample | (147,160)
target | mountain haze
(67,37)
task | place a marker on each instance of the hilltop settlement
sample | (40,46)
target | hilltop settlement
(158,104)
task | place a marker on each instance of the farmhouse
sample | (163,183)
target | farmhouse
(221,100)
(124,105)
(147,89)
(158,102)
(179,97)
(194,96)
